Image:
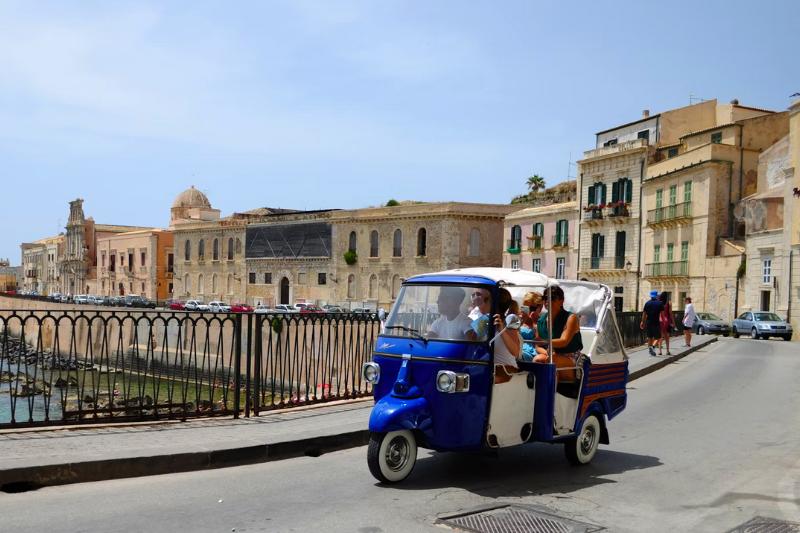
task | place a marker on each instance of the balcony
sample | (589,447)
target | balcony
(670,215)
(605,265)
(513,246)
(618,212)
(668,269)
(535,243)
(592,215)
(606,151)
(560,241)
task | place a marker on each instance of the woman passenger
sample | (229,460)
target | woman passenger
(532,309)
(507,348)
(566,334)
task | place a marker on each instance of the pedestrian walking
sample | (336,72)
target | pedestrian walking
(651,316)
(666,322)
(688,320)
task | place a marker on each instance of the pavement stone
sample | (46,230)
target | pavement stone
(30,458)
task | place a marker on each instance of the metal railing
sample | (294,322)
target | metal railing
(593,214)
(513,246)
(535,242)
(603,263)
(560,241)
(669,212)
(667,269)
(629,324)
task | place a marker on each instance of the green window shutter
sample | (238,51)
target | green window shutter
(603,194)
(659,197)
(615,191)
(657,253)
(591,195)
(628,190)
(685,251)
(687,191)
(670,250)
(673,194)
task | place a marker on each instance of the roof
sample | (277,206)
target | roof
(191,197)
(487,275)
(712,128)
(118,228)
(755,108)
(629,124)
(543,210)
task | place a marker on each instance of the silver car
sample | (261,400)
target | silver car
(710,323)
(761,325)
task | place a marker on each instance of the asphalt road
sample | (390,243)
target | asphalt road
(706,444)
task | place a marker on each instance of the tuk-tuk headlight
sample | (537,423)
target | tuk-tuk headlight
(448,381)
(371,372)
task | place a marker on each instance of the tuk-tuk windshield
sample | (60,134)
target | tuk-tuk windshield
(440,312)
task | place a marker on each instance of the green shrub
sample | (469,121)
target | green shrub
(350,257)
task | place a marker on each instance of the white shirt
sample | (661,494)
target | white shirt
(689,315)
(455,329)
(502,355)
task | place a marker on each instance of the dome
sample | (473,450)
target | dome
(191,197)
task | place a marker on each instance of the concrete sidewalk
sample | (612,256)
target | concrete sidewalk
(32,458)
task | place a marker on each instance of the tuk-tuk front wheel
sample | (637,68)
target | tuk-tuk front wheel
(391,456)
(581,449)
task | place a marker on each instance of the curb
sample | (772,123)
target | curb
(664,362)
(34,477)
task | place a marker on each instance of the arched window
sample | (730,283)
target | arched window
(214,283)
(351,286)
(230,249)
(373,243)
(187,250)
(516,237)
(187,286)
(351,245)
(422,242)
(200,287)
(395,286)
(373,287)
(474,242)
(201,250)
(397,243)
(215,250)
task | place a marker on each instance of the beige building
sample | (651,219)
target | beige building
(792,216)
(40,261)
(693,224)
(9,276)
(543,239)
(136,262)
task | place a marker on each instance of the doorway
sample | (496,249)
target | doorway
(284,290)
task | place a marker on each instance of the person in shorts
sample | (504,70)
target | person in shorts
(651,314)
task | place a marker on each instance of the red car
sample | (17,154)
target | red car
(176,305)
(241,308)
(311,310)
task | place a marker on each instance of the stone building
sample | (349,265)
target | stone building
(693,231)
(543,239)
(40,261)
(136,262)
(9,276)
(389,244)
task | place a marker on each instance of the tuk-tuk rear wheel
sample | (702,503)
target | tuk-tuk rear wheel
(581,450)
(391,456)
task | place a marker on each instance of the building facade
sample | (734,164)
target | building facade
(136,262)
(543,239)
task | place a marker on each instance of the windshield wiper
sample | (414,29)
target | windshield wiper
(414,332)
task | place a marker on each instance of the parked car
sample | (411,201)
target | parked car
(311,310)
(134,300)
(114,301)
(710,323)
(196,305)
(175,305)
(80,299)
(263,309)
(332,309)
(217,306)
(241,308)
(286,308)
(66,298)
(97,300)
(761,325)
(56,296)
(361,310)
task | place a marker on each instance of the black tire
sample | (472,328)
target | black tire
(735,333)
(391,456)
(787,337)
(701,330)
(581,450)
(754,334)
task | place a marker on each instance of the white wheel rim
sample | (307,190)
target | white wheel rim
(397,454)
(588,440)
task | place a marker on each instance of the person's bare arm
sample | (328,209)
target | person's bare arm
(571,329)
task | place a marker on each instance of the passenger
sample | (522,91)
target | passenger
(452,324)
(507,348)
(479,314)
(531,310)
(566,335)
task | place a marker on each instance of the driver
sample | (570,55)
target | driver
(452,324)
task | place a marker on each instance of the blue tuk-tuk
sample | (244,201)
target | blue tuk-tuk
(433,373)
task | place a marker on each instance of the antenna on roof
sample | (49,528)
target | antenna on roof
(693,99)
(570,164)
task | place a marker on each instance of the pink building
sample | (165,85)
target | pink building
(543,239)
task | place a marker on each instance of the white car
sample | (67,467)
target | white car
(262,309)
(81,299)
(286,308)
(217,306)
(196,305)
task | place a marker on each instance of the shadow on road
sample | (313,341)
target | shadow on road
(521,471)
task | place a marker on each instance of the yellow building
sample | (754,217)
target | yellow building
(136,262)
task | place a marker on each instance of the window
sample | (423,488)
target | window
(170,263)
(673,194)
(397,243)
(659,198)
(716,137)
(215,250)
(373,243)
(230,249)
(657,253)
(322,278)
(644,134)
(516,237)
(302,278)
(597,194)
(618,298)
(352,242)
(766,270)
(422,242)
(112,262)
(610,142)
(515,264)
(560,267)
(130,262)
(170,288)
(103,259)
(670,252)
(251,278)
(619,250)
(213,283)
(201,250)
(622,190)
(598,249)
(395,286)
(474,248)
(536,266)
(143,258)
(200,284)
(684,252)
(687,192)
(267,278)
(538,229)
(681,297)
(672,152)
(562,228)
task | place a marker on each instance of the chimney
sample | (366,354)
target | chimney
(645,113)
(735,101)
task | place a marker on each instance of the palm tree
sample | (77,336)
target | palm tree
(535,183)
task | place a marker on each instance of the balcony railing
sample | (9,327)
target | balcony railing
(669,212)
(535,243)
(513,246)
(603,263)
(593,214)
(615,149)
(618,211)
(666,269)
(560,241)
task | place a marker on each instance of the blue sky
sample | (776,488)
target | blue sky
(310,105)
